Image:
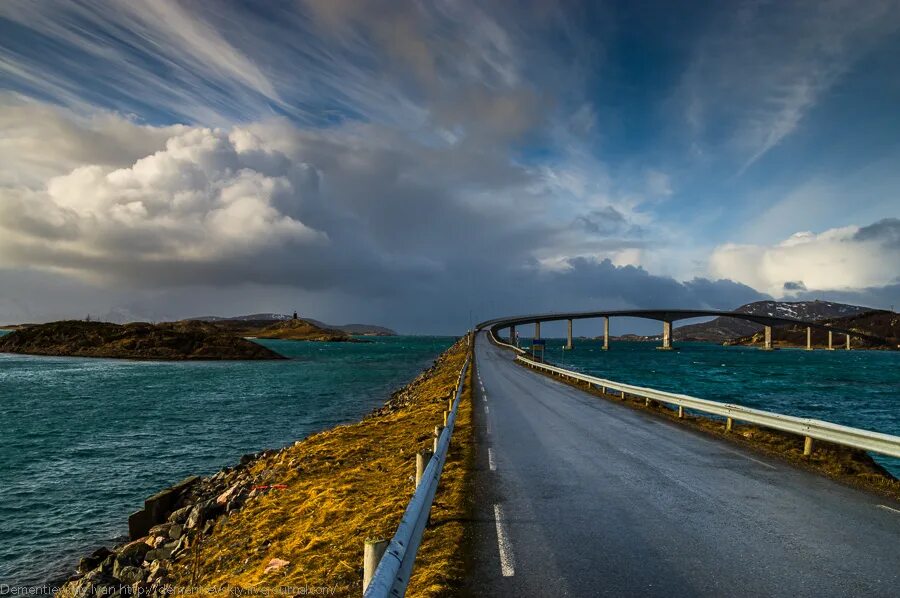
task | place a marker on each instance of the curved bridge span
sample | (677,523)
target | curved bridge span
(667,317)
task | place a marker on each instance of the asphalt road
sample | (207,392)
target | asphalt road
(578,496)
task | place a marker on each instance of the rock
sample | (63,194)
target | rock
(130,575)
(181,515)
(195,517)
(159,554)
(223,498)
(133,553)
(175,531)
(95,559)
(160,530)
(157,570)
(247,459)
(275,565)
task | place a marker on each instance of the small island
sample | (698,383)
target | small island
(175,341)
(298,329)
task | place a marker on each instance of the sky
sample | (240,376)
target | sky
(426,165)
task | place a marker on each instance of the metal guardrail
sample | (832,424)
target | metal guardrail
(395,568)
(876,442)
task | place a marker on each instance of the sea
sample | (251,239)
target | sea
(85,441)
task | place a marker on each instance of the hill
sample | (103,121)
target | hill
(269,318)
(304,330)
(724,329)
(170,341)
(882,324)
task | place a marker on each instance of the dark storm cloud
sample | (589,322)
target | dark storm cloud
(886,231)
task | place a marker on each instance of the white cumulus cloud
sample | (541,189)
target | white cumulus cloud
(206,196)
(842,258)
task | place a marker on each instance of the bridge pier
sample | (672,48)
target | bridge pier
(513,339)
(537,330)
(768,339)
(830,341)
(848,341)
(666,336)
(569,345)
(606,333)
(809,338)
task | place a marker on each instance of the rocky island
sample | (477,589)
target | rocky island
(298,329)
(139,340)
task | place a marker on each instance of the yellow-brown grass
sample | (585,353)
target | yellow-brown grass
(345,485)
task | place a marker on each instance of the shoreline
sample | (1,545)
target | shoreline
(181,523)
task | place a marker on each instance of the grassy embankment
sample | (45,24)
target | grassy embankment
(846,465)
(343,486)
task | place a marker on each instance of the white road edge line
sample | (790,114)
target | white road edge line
(507,562)
(727,450)
(487,409)
(491,462)
(879,506)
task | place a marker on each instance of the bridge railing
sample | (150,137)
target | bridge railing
(499,342)
(811,429)
(392,575)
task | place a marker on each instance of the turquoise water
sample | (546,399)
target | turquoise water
(86,440)
(855,388)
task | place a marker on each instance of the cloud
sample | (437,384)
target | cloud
(837,259)
(761,68)
(356,216)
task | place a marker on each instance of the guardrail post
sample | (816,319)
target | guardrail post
(450,404)
(680,412)
(446,413)
(437,436)
(646,401)
(729,424)
(622,395)
(807,446)
(422,459)
(372,553)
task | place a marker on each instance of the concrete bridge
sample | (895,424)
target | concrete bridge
(667,317)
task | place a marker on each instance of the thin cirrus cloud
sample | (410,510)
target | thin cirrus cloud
(409,168)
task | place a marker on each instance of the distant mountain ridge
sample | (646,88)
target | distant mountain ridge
(724,329)
(359,329)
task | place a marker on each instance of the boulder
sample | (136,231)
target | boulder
(160,530)
(133,553)
(175,531)
(159,554)
(181,515)
(91,562)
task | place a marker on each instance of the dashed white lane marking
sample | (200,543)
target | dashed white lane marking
(491,462)
(879,506)
(487,409)
(507,562)
(484,397)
